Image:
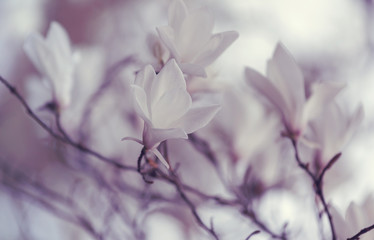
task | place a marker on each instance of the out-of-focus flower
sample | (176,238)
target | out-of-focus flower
(189,38)
(166,107)
(356,218)
(54,59)
(333,129)
(284,88)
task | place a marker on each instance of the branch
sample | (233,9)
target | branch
(363,231)
(252,234)
(253,217)
(64,137)
(317,181)
(173,179)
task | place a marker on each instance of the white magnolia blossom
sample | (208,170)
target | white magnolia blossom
(54,59)
(356,218)
(189,38)
(333,129)
(284,88)
(166,107)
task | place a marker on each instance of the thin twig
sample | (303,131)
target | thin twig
(363,231)
(179,187)
(252,234)
(317,181)
(64,138)
(253,217)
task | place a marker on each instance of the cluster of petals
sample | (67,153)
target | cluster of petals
(284,87)
(166,107)
(54,59)
(189,38)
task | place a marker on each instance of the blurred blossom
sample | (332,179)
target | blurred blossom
(332,130)
(284,87)
(189,38)
(166,107)
(54,59)
(356,218)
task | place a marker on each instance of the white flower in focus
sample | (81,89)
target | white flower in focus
(284,88)
(54,59)
(333,129)
(189,38)
(166,107)
(356,218)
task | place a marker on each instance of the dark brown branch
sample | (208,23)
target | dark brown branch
(362,232)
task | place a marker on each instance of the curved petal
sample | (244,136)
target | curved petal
(322,94)
(160,157)
(197,117)
(153,136)
(167,36)
(30,50)
(217,44)
(177,12)
(171,106)
(268,90)
(58,39)
(291,75)
(195,31)
(144,79)
(352,126)
(141,106)
(169,78)
(193,69)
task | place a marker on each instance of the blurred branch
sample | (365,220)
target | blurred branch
(317,181)
(12,179)
(64,137)
(173,179)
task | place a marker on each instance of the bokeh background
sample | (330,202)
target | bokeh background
(330,40)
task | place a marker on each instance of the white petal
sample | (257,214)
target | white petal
(141,106)
(171,106)
(160,157)
(58,39)
(197,117)
(167,36)
(322,94)
(340,224)
(169,78)
(268,90)
(30,50)
(193,70)
(352,126)
(291,74)
(215,47)
(354,216)
(153,136)
(177,12)
(144,79)
(196,30)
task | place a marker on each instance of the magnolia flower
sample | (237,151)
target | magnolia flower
(356,218)
(189,38)
(166,107)
(333,129)
(284,88)
(54,59)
